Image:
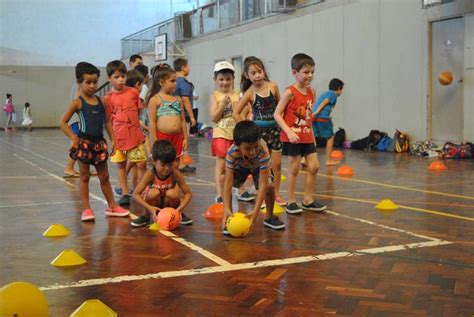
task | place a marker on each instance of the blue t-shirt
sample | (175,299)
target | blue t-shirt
(184,89)
(325,113)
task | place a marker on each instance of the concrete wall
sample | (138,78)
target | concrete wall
(379,48)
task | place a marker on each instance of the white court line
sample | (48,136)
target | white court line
(196,248)
(21,177)
(42,204)
(242,266)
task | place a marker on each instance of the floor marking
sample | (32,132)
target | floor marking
(22,177)
(42,204)
(196,248)
(243,266)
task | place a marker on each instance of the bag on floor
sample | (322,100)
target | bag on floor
(339,137)
(400,143)
(383,144)
(13,117)
(457,151)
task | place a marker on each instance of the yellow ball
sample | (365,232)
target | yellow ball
(22,299)
(238,225)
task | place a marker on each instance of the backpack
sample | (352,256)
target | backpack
(457,151)
(375,136)
(400,143)
(383,144)
(339,137)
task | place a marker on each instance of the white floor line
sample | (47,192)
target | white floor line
(42,204)
(196,248)
(242,266)
(22,177)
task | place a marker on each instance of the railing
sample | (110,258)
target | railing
(221,14)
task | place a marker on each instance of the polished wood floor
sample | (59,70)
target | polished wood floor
(349,261)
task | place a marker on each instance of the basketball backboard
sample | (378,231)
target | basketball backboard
(161,47)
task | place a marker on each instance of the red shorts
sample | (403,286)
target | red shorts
(219,147)
(175,139)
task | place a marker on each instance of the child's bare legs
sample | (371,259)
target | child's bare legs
(270,199)
(312,169)
(293,170)
(84,185)
(219,175)
(329,148)
(140,171)
(122,177)
(69,170)
(171,199)
(131,167)
(103,174)
(276,168)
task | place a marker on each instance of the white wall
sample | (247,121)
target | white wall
(468,79)
(379,48)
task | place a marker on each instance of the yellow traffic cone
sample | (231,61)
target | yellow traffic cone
(386,205)
(277,209)
(56,230)
(93,307)
(68,258)
(22,299)
(155,226)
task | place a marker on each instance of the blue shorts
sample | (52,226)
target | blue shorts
(323,129)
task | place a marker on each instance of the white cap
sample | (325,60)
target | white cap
(223,65)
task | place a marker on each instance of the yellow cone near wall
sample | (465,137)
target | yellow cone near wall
(386,205)
(93,308)
(56,230)
(68,258)
(22,299)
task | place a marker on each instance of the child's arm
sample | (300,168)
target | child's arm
(278,115)
(276,91)
(246,99)
(74,106)
(137,194)
(187,195)
(184,128)
(153,108)
(109,129)
(321,106)
(218,108)
(187,105)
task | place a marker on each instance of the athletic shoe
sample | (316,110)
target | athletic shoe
(246,196)
(225,231)
(141,221)
(280,201)
(185,220)
(293,208)
(87,215)
(314,206)
(117,212)
(118,191)
(219,200)
(125,200)
(274,223)
(187,169)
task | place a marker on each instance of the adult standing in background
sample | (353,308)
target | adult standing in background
(135,60)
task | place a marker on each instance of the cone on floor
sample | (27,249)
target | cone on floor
(56,230)
(22,299)
(345,171)
(386,205)
(277,209)
(68,257)
(283,177)
(337,155)
(154,227)
(93,307)
(437,166)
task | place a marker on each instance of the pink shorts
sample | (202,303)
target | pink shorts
(219,147)
(175,139)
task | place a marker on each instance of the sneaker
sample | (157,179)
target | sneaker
(117,212)
(87,215)
(314,206)
(219,200)
(125,200)
(118,191)
(185,220)
(263,205)
(225,231)
(187,169)
(280,201)
(141,221)
(274,223)
(293,208)
(246,196)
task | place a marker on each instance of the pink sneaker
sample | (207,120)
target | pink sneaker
(87,215)
(280,201)
(117,212)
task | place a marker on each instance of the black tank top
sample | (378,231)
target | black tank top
(263,107)
(91,119)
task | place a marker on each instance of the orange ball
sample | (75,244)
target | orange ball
(445,78)
(187,160)
(168,218)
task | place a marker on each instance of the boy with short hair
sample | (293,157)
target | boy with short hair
(135,60)
(293,114)
(124,105)
(322,123)
(249,155)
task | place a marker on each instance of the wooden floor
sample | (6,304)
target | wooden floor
(349,261)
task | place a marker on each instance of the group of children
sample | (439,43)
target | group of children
(252,131)
(10,114)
